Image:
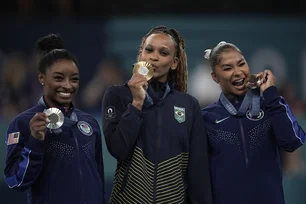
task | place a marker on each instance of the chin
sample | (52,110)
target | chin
(64,102)
(155,75)
(239,93)
(159,77)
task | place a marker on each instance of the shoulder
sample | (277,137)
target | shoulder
(117,95)
(28,114)
(210,108)
(85,116)
(117,89)
(23,119)
(185,97)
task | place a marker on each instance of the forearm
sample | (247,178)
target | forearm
(23,165)
(121,138)
(287,131)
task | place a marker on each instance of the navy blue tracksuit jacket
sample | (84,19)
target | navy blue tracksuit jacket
(67,167)
(161,151)
(245,152)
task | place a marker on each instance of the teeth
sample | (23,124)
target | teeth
(240,80)
(64,94)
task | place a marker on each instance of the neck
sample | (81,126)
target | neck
(157,85)
(157,80)
(66,108)
(233,97)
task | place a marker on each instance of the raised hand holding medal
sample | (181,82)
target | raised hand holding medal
(263,80)
(142,72)
(51,119)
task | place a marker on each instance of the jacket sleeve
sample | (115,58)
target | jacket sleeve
(99,159)
(121,123)
(24,157)
(198,174)
(287,131)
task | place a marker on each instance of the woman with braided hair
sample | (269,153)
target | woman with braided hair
(155,130)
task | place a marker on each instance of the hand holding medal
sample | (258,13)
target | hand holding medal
(263,80)
(267,79)
(142,72)
(51,118)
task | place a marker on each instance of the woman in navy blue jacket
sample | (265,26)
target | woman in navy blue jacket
(247,128)
(154,129)
(56,166)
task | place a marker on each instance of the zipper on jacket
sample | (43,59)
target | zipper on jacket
(246,158)
(80,170)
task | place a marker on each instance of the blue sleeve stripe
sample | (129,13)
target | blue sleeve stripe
(18,178)
(294,123)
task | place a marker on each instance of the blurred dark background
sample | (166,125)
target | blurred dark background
(105,36)
(138,7)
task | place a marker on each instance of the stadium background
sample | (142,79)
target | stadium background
(105,37)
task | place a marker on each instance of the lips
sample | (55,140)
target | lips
(238,82)
(154,66)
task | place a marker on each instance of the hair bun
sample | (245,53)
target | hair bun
(49,42)
(207,54)
(221,43)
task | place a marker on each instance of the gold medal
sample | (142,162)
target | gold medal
(143,68)
(56,118)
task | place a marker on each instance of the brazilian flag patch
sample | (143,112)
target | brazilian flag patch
(179,114)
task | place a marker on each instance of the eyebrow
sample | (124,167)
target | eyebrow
(242,59)
(224,65)
(163,47)
(59,73)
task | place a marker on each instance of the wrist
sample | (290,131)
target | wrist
(38,137)
(35,145)
(138,104)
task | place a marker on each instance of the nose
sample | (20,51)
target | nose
(67,84)
(154,56)
(238,72)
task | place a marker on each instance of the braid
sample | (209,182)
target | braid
(179,76)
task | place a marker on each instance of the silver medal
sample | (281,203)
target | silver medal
(56,118)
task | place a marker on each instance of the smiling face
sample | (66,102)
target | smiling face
(160,51)
(61,82)
(232,73)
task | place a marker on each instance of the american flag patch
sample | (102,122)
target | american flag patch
(13,138)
